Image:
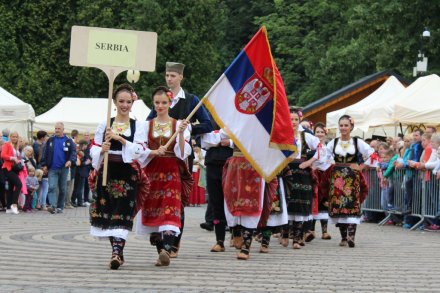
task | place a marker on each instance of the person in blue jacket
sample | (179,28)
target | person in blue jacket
(58,155)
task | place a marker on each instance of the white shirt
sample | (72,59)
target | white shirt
(180,95)
(213,139)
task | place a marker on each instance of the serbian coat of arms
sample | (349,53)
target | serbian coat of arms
(254,94)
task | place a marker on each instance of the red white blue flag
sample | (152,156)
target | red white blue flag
(249,99)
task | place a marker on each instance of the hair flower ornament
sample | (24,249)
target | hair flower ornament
(134,96)
(170,95)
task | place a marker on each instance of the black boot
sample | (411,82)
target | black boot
(297,234)
(117,259)
(246,246)
(285,236)
(237,237)
(157,239)
(343,231)
(309,231)
(351,231)
(265,240)
(324,225)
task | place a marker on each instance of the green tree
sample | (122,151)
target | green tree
(187,33)
(321,46)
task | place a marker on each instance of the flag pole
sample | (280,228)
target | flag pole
(187,118)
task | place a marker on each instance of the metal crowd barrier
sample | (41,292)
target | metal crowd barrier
(372,202)
(425,201)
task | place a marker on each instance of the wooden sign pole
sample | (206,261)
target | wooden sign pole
(111,80)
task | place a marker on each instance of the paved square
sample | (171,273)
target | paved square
(55,253)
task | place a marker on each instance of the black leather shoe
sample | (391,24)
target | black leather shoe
(207,226)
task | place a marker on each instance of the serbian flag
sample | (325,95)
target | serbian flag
(249,99)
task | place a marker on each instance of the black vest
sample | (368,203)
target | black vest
(349,158)
(183,108)
(218,155)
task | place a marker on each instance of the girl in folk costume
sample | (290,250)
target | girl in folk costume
(320,204)
(276,198)
(299,184)
(113,206)
(344,183)
(170,181)
(243,189)
(248,201)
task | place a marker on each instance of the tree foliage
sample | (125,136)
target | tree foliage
(319,45)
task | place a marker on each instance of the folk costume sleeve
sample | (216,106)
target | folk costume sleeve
(187,149)
(95,151)
(366,151)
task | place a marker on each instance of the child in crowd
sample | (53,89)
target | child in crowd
(385,182)
(32,186)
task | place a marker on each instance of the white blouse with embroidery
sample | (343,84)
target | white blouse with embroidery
(143,158)
(129,152)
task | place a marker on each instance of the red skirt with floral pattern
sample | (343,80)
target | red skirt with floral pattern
(163,204)
(242,187)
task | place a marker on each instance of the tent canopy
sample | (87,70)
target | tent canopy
(420,102)
(14,113)
(374,110)
(83,114)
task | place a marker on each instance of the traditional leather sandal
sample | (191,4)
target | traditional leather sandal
(343,242)
(296,246)
(326,236)
(243,255)
(164,259)
(217,248)
(264,249)
(309,236)
(115,262)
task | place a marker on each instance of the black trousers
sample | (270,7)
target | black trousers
(214,173)
(14,187)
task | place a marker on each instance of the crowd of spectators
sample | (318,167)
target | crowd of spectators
(49,174)
(420,151)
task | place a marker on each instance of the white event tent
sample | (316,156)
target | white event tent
(83,114)
(420,102)
(15,114)
(374,110)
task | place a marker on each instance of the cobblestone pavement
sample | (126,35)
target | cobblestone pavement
(41,252)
